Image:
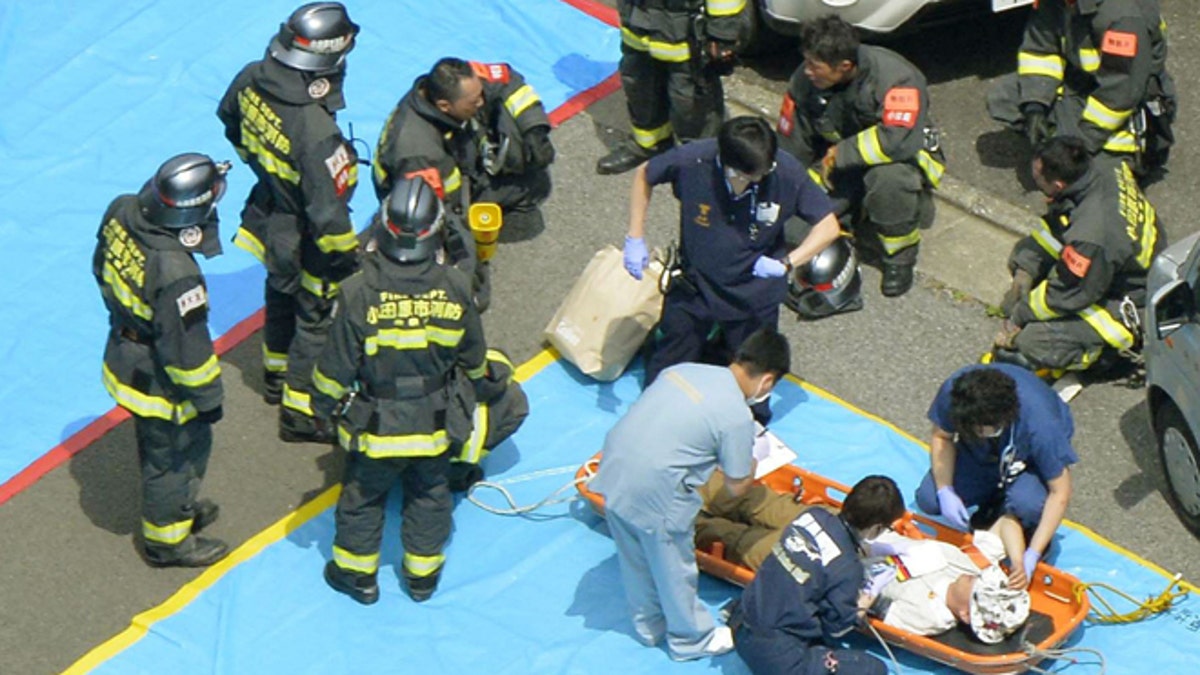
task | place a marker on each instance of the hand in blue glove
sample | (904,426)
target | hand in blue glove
(769,268)
(894,547)
(1031,560)
(953,508)
(878,580)
(636,256)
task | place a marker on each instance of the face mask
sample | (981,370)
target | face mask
(995,434)
(758,397)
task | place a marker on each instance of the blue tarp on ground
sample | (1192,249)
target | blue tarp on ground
(101,92)
(543,594)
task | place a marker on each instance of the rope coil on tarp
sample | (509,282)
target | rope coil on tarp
(514,509)
(1143,608)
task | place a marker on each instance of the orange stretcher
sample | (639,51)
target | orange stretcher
(1055,610)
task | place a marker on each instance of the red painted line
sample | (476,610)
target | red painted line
(593,8)
(62,452)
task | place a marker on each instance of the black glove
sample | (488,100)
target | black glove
(210,416)
(539,152)
(1037,124)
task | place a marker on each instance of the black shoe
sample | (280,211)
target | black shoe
(421,589)
(195,551)
(626,157)
(273,387)
(362,587)
(207,512)
(295,427)
(897,280)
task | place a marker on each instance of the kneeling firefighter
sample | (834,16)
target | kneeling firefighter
(830,283)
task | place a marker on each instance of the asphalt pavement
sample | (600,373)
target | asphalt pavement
(70,576)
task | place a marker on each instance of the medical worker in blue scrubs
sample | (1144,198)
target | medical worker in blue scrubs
(691,420)
(735,193)
(1001,442)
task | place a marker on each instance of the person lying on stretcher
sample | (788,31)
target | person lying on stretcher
(920,586)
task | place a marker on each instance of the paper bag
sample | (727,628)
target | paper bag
(606,316)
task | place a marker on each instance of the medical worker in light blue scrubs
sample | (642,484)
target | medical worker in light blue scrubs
(691,420)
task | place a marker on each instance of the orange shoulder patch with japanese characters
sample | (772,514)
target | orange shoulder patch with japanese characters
(1119,43)
(901,107)
(786,112)
(429,175)
(492,72)
(1076,262)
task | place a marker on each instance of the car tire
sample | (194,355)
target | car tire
(761,40)
(1181,463)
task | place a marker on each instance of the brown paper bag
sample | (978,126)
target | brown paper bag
(606,316)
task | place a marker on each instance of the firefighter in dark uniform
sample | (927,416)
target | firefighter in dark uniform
(159,362)
(673,53)
(405,329)
(810,591)
(858,116)
(1079,280)
(479,133)
(735,191)
(279,115)
(1095,69)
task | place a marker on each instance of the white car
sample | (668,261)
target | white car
(875,16)
(1172,353)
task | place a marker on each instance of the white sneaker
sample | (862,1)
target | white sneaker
(721,642)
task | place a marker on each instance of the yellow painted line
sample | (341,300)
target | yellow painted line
(533,366)
(842,402)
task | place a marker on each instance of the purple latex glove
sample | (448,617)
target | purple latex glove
(768,268)
(885,548)
(879,580)
(953,508)
(1031,560)
(636,256)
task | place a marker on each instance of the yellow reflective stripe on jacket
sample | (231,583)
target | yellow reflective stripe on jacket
(453,181)
(1037,303)
(1041,234)
(300,401)
(1149,237)
(423,565)
(1112,331)
(170,534)
(724,7)
(412,338)
(1122,141)
(891,245)
(499,357)
(316,286)
(344,242)
(199,376)
(327,385)
(818,179)
(1089,60)
(144,405)
(520,100)
(648,138)
(125,295)
(268,160)
(403,445)
(870,148)
(472,450)
(933,169)
(274,362)
(363,564)
(1045,65)
(673,52)
(250,244)
(1103,116)
(477,372)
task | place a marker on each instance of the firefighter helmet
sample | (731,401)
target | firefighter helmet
(184,191)
(315,38)
(830,283)
(413,221)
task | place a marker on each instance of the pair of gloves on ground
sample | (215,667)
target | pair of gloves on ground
(637,258)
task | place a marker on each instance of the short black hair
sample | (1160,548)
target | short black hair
(830,40)
(1064,158)
(747,144)
(444,81)
(874,500)
(983,397)
(766,351)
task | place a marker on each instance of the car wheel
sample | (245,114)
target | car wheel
(1181,462)
(761,40)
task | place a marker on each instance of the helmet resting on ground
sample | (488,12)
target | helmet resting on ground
(830,283)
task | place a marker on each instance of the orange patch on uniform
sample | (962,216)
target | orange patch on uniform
(901,107)
(492,72)
(429,175)
(1119,43)
(786,113)
(1078,263)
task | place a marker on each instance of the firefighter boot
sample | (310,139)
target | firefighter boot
(195,551)
(897,279)
(296,427)
(421,589)
(207,513)
(273,387)
(624,157)
(363,588)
